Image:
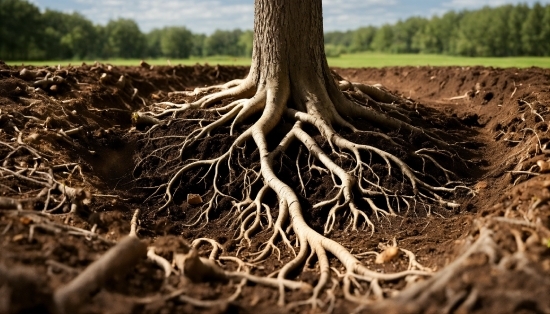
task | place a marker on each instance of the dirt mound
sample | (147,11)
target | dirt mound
(75,166)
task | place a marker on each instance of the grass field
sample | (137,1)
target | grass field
(357,60)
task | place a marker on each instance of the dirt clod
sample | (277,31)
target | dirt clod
(194,199)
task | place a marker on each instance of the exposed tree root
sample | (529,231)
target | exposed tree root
(322,111)
(117,260)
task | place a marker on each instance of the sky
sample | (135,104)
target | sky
(205,16)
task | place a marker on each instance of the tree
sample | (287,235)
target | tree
(515,23)
(291,99)
(124,39)
(383,39)
(198,45)
(497,36)
(362,39)
(224,43)
(246,43)
(20,34)
(403,34)
(545,31)
(531,30)
(176,42)
(339,40)
(69,36)
(153,43)
(481,33)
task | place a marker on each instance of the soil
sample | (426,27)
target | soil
(81,127)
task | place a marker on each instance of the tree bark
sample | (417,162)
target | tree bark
(289,45)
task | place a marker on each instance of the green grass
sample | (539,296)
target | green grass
(357,60)
(222,60)
(368,59)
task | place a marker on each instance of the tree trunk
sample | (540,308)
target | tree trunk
(289,45)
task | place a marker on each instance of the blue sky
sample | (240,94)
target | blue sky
(204,16)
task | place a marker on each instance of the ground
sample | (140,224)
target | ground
(80,125)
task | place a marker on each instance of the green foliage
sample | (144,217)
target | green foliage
(510,30)
(176,42)
(72,36)
(246,43)
(383,39)
(339,39)
(403,35)
(18,37)
(362,39)
(153,39)
(198,45)
(333,51)
(124,39)
(225,43)
(531,32)
(545,32)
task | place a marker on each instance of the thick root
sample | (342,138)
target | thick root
(321,110)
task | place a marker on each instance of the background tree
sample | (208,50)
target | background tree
(246,43)
(497,40)
(71,35)
(124,39)
(545,32)
(515,24)
(224,43)
(337,42)
(153,43)
(383,40)
(404,33)
(20,26)
(510,30)
(198,45)
(428,39)
(176,42)
(472,34)
(362,39)
(530,31)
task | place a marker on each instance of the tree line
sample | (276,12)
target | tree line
(26,33)
(508,30)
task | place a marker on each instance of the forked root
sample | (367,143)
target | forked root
(119,259)
(320,111)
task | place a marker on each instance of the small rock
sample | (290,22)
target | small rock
(477,87)
(543,165)
(144,64)
(194,199)
(104,78)
(18,237)
(25,220)
(480,185)
(121,82)
(387,255)
(27,74)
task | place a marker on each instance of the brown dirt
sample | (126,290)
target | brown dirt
(495,123)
